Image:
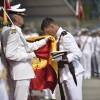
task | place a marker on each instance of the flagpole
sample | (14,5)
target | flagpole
(77,24)
(4,16)
(77,13)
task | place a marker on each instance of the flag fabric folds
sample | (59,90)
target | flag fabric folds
(46,71)
(6,5)
(79,10)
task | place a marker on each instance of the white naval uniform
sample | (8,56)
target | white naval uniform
(20,61)
(96,53)
(3,90)
(67,42)
(87,52)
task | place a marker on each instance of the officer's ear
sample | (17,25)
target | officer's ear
(15,18)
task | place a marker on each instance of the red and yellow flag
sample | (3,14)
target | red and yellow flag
(45,69)
(6,5)
(79,10)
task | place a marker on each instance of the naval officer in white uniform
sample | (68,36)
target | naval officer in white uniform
(85,41)
(67,42)
(19,55)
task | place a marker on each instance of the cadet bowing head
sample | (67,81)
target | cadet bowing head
(49,26)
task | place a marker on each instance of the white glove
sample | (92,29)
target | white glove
(47,38)
(31,55)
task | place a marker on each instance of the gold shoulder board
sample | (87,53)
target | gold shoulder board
(13,31)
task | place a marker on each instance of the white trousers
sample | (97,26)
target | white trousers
(98,60)
(72,91)
(86,62)
(19,90)
(3,91)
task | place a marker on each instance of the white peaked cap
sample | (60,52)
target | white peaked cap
(84,30)
(15,6)
(17,10)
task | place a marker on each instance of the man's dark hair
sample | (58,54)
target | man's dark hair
(46,22)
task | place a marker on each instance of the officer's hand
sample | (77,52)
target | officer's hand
(31,55)
(47,38)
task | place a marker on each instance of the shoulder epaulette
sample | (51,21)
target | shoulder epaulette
(64,33)
(13,31)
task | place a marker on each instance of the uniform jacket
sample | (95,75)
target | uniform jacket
(88,45)
(17,57)
(68,43)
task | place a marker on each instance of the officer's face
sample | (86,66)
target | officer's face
(19,19)
(50,30)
